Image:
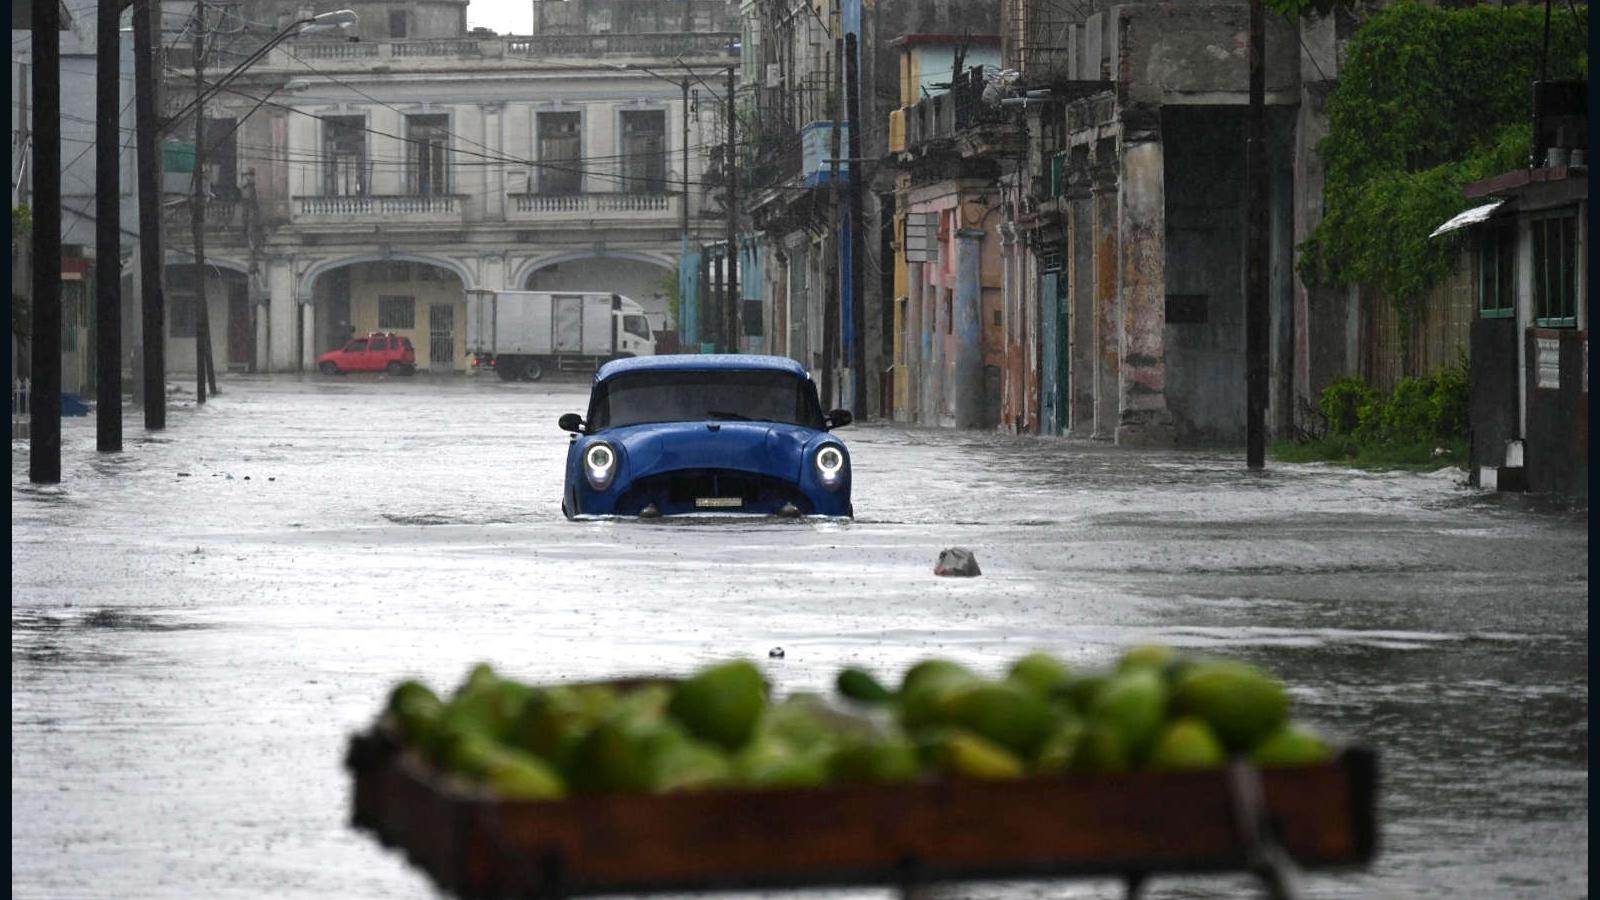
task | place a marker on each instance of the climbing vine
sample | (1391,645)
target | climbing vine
(1428,100)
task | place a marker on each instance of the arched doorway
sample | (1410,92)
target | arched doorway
(229,313)
(638,278)
(414,298)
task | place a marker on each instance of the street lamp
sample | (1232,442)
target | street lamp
(683,116)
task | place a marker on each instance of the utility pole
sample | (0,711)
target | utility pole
(1256,311)
(858,312)
(683,198)
(146,126)
(732,315)
(44,393)
(204,372)
(830,303)
(108,228)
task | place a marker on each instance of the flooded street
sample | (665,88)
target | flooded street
(199,623)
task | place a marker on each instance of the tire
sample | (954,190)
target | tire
(508,369)
(396,368)
(532,371)
(328,368)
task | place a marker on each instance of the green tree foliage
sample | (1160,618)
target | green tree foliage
(1428,100)
(1408,428)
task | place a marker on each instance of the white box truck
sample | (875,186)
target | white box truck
(523,334)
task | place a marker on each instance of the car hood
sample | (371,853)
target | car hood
(770,448)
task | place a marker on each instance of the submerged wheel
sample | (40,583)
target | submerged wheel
(329,368)
(396,368)
(532,371)
(507,369)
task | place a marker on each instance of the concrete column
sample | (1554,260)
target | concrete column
(969,329)
(281,315)
(914,340)
(1143,419)
(938,325)
(1080,304)
(308,337)
(1107,321)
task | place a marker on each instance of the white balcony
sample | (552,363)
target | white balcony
(639,209)
(335,209)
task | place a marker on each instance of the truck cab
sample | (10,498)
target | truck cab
(634,336)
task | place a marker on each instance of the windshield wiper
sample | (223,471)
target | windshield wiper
(724,414)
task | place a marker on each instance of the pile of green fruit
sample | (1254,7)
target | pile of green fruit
(1156,710)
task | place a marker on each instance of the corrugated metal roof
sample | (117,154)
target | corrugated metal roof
(1471,217)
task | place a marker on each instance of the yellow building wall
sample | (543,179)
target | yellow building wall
(445,291)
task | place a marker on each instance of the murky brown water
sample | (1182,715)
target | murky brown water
(199,623)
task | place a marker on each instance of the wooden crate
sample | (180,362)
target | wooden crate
(1131,824)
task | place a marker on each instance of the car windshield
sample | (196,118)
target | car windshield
(638,398)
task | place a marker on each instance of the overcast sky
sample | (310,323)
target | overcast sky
(504,16)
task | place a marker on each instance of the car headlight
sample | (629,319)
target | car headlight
(830,466)
(600,465)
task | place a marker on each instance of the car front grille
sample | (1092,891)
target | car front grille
(677,492)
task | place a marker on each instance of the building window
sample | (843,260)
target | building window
(560,153)
(1555,271)
(397,313)
(1497,250)
(427,140)
(644,158)
(345,170)
(184,316)
(397,23)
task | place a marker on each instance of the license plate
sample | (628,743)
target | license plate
(718,502)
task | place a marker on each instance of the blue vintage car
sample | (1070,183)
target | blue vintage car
(671,435)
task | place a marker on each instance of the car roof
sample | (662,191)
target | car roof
(701,362)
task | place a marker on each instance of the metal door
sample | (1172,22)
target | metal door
(442,335)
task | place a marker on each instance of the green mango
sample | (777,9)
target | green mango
(1241,703)
(1291,746)
(1012,716)
(858,684)
(515,775)
(1056,753)
(1042,673)
(721,704)
(1081,692)
(863,760)
(688,765)
(1187,743)
(1100,750)
(767,762)
(1134,703)
(927,686)
(969,756)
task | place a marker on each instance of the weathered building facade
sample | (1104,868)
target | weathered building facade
(1112,140)
(361,186)
(816,307)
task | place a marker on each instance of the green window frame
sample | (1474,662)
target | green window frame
(1497,285)
(1555,270)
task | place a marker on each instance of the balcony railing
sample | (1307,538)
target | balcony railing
(663,45)
(666,46)
(221,216)
(403,209)
(622,207)
(944,116)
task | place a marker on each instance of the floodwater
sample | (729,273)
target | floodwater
(200,622)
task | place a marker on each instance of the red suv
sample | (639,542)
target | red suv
(377,352)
